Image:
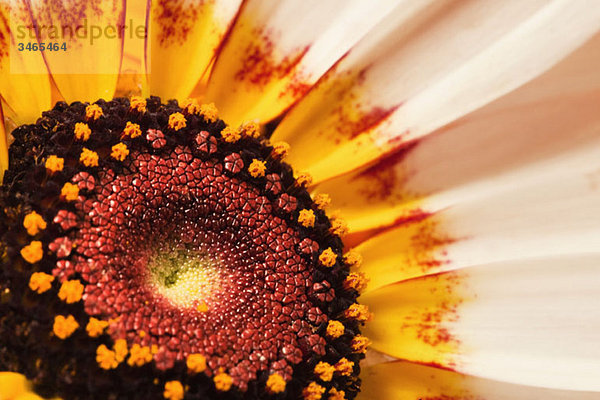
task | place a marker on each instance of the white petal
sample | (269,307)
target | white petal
(548,118)
(441,64)
(532,322)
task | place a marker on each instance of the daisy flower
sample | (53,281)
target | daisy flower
(299,199)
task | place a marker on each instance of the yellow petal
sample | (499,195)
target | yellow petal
(183,39)
(132,73)
(88,66)
(375,197)
(409,317)
(3,146)
(12,385)
(412,249)
(24,82)
(277,50)
(402,380)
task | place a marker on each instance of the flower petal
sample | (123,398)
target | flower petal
(3,146)
(24,83)
(88,67)
(532,322)
(276,51)
(441,71)
(12,385)
(551,115)
(132,74)
(183,40)
(548,208)
(402,380)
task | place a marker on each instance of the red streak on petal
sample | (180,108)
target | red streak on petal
(175,19)
(4,30)
(382,181)
(260,65)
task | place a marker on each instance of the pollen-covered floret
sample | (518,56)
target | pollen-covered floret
(64,326)
(34,223)
(40,282)
(93,112)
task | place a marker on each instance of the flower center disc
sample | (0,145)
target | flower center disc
(178,250)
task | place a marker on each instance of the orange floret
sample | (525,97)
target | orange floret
(119,151)
(257,168)
(82,131)
(223,381)
(71,291)
(54,164)
(69,192)
(88,158)
(34,223)
(230,135)
(96,327)
(106,358)
(306,218)
(93,112)
(139,355)
(360,343)
(177,121)
(196,363)
(173,390)
(335,329)
(40,282)
(358,312)
(280,150)
(64,327)
(131,130)
(209,112)
(344,367)
(275,383)
(313,391)
(328,257)
(324,371)
(33,252)
(138,104)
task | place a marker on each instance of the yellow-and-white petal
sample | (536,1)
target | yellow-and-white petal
(425,66)
(529,321)
(277,50)
(547,118)
(403,380)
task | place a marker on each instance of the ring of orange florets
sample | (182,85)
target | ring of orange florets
(61,156)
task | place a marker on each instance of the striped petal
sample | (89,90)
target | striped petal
(87,67)
(276,51)
(408,381)
(24,82)
(441,71)
(532,322)
(544,119)
(184,36)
